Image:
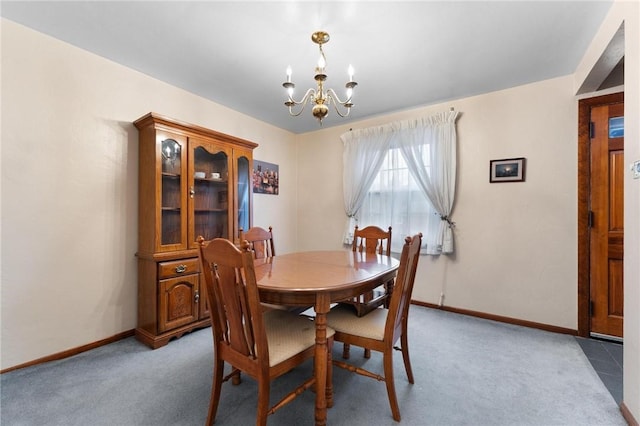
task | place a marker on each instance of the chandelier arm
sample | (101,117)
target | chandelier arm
(295,114)
(308,95)
(304,101)
(332,95)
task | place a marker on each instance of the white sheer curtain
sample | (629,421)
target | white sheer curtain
(364,151)
(437,180)
(403,174)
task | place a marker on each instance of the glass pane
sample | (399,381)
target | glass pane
(171,168)
(243,192)
(211,198)
(395,200)
(616,127)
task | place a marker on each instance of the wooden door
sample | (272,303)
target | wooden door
(606,220)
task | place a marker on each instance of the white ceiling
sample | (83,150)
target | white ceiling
(405,54)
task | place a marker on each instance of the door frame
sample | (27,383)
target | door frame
(584,176)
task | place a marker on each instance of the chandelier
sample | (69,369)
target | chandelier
(320,97)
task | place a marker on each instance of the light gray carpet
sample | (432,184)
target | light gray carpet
(468,371)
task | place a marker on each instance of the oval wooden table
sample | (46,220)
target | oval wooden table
(319,278)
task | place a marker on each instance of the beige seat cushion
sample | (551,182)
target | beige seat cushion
(343,319)
(288,334)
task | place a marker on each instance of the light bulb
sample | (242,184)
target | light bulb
(350,71)
(289,74)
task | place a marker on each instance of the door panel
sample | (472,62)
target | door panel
(607,227)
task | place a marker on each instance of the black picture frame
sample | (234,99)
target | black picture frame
(507,170)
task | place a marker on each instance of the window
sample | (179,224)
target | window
(395,200)
(399,175)
(380,166)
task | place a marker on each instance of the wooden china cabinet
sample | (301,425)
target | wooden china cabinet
(192,181)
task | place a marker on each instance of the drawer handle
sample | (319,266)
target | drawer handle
(181,268)
(197,297)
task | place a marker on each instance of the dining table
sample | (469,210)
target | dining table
(317,279)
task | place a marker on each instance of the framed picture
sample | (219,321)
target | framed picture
(507,170)
(265,178)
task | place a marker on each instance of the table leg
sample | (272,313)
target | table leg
(329,391)
(321,356)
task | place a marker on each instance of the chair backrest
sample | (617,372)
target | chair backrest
(260,240)
(372,239)
(401,296)
(234,301)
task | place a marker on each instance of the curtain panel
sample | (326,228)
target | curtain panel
(364,152)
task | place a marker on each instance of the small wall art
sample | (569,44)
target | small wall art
(265,178)
(507,170)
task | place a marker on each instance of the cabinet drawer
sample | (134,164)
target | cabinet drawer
(178,267)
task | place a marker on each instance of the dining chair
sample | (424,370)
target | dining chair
(261,243)
(260,240)
(263,345)
(374,240)
(381,328)
(371,239)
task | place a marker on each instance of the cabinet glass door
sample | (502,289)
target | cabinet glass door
(209,193)
(171,202)
(244,193)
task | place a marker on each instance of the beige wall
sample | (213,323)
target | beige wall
(631,15)
(69,196)
(515,243)
(69,189)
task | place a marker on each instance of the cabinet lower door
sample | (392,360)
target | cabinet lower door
(179,302)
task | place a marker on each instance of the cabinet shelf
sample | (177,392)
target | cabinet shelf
(211,210)
(210,180)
